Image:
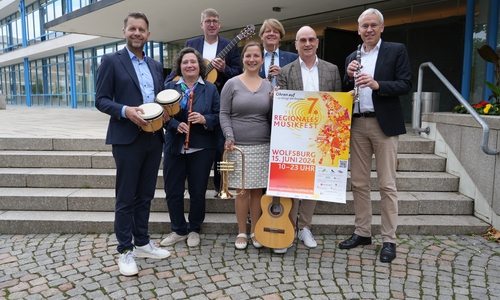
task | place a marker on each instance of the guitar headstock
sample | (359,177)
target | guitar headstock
(247,32)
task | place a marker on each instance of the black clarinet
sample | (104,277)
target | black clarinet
(356,86)
(269,76)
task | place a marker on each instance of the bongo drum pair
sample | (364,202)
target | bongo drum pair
(169,99)
(153,114)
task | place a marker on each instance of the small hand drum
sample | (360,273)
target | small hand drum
(153,114)
(169,99)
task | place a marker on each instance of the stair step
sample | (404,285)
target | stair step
(408,143)
(105,178)
(50,159)
(410,203)
(104,160)
(33,222)
(54,144)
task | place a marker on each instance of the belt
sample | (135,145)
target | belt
(369,114)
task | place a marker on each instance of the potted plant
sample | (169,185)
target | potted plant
(483,107)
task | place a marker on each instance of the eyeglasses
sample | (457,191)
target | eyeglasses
(366,26)
(208,22)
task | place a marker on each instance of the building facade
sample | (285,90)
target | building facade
(42,65)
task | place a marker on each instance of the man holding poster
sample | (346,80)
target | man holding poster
(307,73)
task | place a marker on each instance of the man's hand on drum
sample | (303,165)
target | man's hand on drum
(133,114)
(166,117)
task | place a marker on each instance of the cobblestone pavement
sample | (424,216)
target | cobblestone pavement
(77,266)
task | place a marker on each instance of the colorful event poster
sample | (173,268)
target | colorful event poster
(310,145)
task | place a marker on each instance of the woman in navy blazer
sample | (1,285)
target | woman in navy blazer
(195,163)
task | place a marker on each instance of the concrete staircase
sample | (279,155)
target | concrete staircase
(56,185)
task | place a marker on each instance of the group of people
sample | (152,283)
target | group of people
(216,117)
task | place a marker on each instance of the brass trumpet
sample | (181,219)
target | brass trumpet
(224,167)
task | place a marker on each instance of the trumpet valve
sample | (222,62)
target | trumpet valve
(226,166)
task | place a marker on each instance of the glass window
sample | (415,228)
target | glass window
(478,64)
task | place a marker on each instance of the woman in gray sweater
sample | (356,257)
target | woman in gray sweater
(245,112)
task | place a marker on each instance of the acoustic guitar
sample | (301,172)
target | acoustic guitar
(274,229)
(211,72)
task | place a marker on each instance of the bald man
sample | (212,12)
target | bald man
(307,73)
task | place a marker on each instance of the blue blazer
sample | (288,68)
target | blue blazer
(117,85)
(285,59)
(206,102)
(393,74)
(232,58)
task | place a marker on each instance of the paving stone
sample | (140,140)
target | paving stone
(427,267)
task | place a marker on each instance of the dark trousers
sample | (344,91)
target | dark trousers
(195,167)
(137,167)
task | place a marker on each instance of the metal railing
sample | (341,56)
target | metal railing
(417,114)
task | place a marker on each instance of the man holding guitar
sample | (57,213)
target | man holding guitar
(210,45)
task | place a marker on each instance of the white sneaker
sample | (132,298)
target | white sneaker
(280,250)
(172,239)
(193,239)
(127,264)
(307,237)
(151,251)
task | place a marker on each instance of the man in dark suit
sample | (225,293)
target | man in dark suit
(385,75)
(271,32)
(307,73)
(210,44)
(125,80)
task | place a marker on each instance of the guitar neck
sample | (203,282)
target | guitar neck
(223,53)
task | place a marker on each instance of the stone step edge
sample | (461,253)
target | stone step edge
(410,203)
(105,178)
(104,160)
(112,172)
(28,222)
(406,143)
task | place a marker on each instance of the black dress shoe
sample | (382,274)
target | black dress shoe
(354,241)
(388,252)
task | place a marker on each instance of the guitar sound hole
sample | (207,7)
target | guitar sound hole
(275,210)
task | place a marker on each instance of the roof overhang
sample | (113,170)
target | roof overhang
(174,20)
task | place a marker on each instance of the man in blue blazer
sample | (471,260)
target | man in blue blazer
(126,79)
(385,74)
(271,32)
(210,44)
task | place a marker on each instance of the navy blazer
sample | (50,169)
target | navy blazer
(206,102)
(285,58)
(232,58)
(393,74)
(117,85)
